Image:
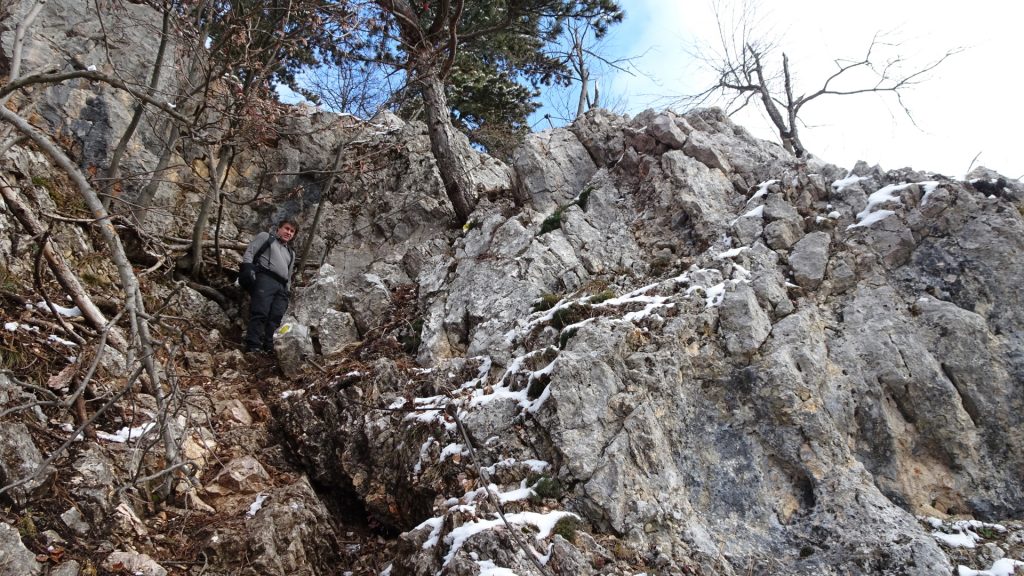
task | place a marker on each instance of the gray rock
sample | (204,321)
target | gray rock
(292,347)
(669,130)
(66,568)
(235,411)
(134,563)
(552,167)
(744,325)
(336,331)
(244,474)
(15,558)
(12,394)
(748,228)
(600,132)
(782,234)
(699,146)
(675,425)
(290,534)
(20,460)
(73,519)
(91,484)
(809,259)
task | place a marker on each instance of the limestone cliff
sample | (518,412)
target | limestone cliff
(659,346)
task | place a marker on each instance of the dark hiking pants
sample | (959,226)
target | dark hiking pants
(266,308)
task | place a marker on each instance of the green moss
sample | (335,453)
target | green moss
(42,182)
(27,526)
(566,527)
(548,488)
(601,296)
(987,532)
(546,302)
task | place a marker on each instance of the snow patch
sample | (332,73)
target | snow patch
(126,434)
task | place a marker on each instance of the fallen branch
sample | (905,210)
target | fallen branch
(65,277)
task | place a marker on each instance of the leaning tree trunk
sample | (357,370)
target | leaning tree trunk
(217,167)
(451,153)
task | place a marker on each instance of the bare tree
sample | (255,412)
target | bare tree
(745,74)
(583,50)
(134,336)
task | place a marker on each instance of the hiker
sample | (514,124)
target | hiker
(266,273)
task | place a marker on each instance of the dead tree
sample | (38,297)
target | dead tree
(744,72)
(582,50)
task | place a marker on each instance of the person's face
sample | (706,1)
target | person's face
(286,232)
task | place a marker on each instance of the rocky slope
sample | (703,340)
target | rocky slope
(719,358)
(660,346)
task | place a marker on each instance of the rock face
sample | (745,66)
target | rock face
(659,345)
(743,365)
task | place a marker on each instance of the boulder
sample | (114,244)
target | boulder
(15,558)
(809,259)
(292,347)
(21,460)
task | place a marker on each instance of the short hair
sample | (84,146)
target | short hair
(288,221)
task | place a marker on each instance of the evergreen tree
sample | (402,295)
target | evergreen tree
(474,65)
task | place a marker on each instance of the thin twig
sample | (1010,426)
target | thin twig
(453,412)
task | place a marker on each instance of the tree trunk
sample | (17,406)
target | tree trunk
(217,168)
(140,208)
(583,103)
(450,152)
(114,170)
(311,231)
(133,303)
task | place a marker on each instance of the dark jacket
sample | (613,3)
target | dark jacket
(278,258)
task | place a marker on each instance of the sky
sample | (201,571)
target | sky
(968,111)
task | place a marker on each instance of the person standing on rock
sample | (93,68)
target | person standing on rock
(266,273)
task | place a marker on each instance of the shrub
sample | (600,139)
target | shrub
(564,337)
(548,488)
(571,314)
(553,222)
(411,338)
(537,386)
(584,197)
(566,527)
(660,265)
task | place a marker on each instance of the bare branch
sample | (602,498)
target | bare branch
(94,75)
(745,71)
(19,41)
